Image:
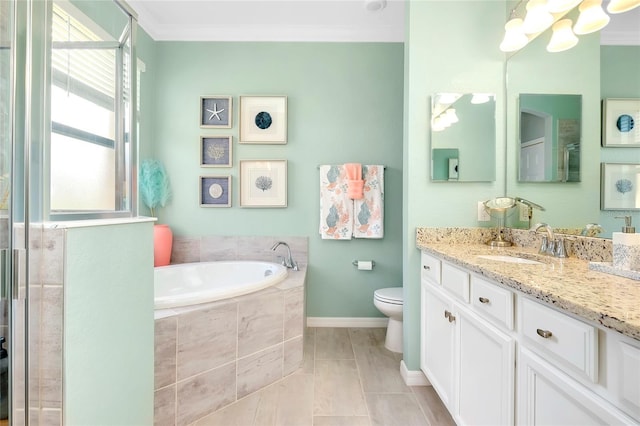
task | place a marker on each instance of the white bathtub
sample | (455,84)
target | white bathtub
(194,283)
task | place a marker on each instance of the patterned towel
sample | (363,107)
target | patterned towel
(336,209)
(368,213)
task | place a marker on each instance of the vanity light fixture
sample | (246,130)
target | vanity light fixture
(514,36)
(563,37)
(619,6)
(559,6)
(451,115)
(480,98)
(592,17)
(537,18)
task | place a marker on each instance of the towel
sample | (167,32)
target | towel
(355,183)
(368,212)
(336,209)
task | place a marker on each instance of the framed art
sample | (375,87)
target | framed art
(216,112)
(216,151)
(263,119)
(621,122)
(215,191)
(619,186)
(263,183)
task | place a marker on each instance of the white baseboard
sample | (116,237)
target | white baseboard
(357,322)
(413,378)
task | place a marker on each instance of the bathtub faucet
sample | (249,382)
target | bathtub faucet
(288,261)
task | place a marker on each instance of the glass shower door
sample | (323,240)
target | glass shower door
(6,141)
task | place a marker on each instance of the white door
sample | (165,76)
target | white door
(532,160)
(486,369)
(437,342)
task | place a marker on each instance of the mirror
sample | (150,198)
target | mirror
(549,138)
(463,137)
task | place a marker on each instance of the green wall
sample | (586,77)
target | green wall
(108,325)
(449,47)
(344,105)
(619,78)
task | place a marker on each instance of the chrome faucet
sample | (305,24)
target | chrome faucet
(548,241)
(551,245)
(288,261)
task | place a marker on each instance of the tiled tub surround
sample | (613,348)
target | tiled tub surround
(567,284)
(208,356)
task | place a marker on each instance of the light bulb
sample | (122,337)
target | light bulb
(592,18)
(619,6)
(451,116)
(559,6)
(514,37)
(538,17)
(480,98)
(562,38)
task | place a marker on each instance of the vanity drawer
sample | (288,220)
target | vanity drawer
(494,302)
(456,281)
(571,342)
(430,269)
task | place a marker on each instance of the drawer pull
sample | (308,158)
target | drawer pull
(426,267)
(452,318)
(544,333)
(483,300)
(447,314)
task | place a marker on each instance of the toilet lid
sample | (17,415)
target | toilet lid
(389,295)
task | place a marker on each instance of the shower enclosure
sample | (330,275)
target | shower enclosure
(64,66)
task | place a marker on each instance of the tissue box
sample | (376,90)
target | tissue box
(626,251)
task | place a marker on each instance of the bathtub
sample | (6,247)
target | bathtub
(194,283)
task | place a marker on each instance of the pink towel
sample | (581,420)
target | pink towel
(354,180)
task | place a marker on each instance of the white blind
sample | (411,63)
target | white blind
(80,69)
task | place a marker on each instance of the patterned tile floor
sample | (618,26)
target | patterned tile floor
(348,379)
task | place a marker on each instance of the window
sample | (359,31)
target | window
(90,144)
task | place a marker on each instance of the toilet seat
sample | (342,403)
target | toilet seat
(392,295)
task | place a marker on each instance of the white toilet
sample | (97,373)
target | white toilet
(389,301)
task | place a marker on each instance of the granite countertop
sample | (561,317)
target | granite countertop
(567,284)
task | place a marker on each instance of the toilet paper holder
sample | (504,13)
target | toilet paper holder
(356,263)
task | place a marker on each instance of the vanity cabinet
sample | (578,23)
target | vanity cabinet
(469,361)
(491,352)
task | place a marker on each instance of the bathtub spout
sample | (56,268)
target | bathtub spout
(288,261)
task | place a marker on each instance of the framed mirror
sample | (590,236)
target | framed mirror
(549,137)
(463,137)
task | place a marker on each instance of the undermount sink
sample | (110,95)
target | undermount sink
(509,259)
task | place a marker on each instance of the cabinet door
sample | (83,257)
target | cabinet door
(546,396)
(436,356)
(485,372)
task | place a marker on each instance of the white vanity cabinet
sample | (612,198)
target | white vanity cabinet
(485,372)
(469,361)
(497,357)
(547,396)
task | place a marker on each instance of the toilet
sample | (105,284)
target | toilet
(389,301)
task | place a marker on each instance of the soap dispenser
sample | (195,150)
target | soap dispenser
(626,247)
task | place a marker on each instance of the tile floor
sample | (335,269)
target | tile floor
(348,379)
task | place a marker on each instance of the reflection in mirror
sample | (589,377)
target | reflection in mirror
(549,138)
(463,134)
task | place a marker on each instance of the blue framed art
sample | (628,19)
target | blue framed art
(216,112)
(216,151)
(215,191)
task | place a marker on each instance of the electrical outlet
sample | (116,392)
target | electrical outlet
(524,212)
(483,214)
